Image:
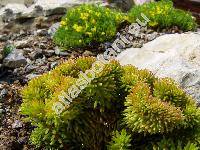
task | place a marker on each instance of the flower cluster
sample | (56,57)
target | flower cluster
(163,15)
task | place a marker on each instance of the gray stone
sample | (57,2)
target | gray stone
(32,12)
(1,55)
(137,44)
(49,53)
(52,30)
(4,37)
(52,7)
(41,32)
(124,5)
(36,54)
(53,65)
(31,76)
(152,36)
(63,53)
(4,92)
(29,68)
(23,44)
(1,111)
(88,53)
(173,55)
(57,51)
(15,59)
(17,124)
(42,45)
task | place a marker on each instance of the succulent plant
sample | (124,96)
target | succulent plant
(121,108)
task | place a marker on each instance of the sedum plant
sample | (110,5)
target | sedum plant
(87,25)
(121,108)
(162,14)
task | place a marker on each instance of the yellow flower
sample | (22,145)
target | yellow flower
(84,16)
(93,21)
(97,14)
(89,33)
(126,18)
(63,23)
(153,24)
(80,41)
(167,7)
(152,13)
(94,29)
(77,28)
(103,33)
(118,17)
(159,11)
(107,9)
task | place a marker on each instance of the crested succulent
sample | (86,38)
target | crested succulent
(121,108)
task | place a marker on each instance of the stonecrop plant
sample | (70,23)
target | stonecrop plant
(162,14)
(88,25)
(121,108)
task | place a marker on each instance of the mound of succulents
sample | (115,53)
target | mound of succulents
(121,108)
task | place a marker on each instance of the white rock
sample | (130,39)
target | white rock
(11,12)
(59,6)
(140,2)
(176,56)
(5,2)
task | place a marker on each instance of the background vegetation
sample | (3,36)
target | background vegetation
(163,15)
(88,25)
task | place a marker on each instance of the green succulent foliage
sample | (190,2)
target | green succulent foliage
(121,108)
(168,90)
(162,14)
(169,144)
(157,116)
(120,141)
(88,25)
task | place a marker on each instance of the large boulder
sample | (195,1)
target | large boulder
(173,55)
